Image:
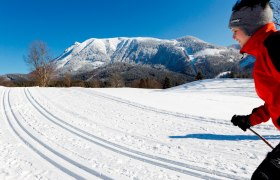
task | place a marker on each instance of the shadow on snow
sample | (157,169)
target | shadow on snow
(225,137)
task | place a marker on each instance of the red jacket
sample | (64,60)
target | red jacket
(264,45)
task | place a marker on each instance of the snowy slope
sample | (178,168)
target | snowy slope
(178,133)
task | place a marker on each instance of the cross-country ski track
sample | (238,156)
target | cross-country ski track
(77,133)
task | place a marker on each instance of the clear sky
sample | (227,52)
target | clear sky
(60,23)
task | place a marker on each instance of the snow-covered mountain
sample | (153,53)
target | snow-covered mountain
(186,54)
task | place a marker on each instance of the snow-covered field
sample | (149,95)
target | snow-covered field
(178,133)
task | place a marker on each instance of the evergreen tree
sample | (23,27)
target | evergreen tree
(142,84)
(199,76)
(166,83)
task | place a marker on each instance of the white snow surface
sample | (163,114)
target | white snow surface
(209,52)
(178,133)
(223,74)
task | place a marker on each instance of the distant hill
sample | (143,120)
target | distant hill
(186,55)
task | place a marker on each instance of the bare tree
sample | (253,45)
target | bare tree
(276,10)
(67,79)
(39,60)
(116,80)
(95,83)
(3,81)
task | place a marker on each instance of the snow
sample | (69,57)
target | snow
(124,133)
(223,74)
(209,52)
(191,38)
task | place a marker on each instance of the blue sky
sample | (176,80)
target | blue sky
(59,23)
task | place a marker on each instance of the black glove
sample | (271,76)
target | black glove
(241,121)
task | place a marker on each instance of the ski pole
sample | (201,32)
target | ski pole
(262,138)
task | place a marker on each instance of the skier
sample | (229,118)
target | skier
(252,26)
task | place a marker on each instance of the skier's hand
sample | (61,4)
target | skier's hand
(241,121)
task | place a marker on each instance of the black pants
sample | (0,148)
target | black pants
(270,167)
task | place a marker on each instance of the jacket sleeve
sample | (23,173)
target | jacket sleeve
(259,115)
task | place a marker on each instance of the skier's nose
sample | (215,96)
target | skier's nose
(233,36)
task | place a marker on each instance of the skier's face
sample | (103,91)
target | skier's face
(240,36)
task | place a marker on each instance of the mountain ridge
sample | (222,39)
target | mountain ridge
(183,55)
